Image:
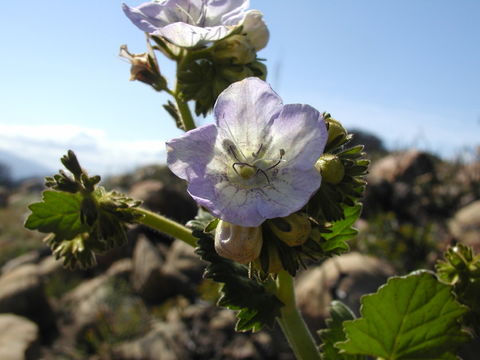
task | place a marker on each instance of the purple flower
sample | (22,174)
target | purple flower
(190,23)
(257,161)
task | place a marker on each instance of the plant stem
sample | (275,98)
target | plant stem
(167,226)
(293,326)
(185,114)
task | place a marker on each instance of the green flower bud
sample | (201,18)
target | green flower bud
(238,243)
(331,168)
(336,132)
(293,229)
(234,73)
(235,49)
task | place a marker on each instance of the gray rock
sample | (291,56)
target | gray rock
(345,278)
(22,293)
(465,225)
(31,257)
(182,258)
(166,341)
(19,338)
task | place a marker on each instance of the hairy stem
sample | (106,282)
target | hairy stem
(293,326)
(167,226)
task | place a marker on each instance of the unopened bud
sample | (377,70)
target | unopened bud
(331,168)
(235,49)
(238,243)
(336,132)
(293,229)
(234,73)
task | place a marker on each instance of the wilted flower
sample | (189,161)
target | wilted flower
(144,66)
(190,23)
(257,161)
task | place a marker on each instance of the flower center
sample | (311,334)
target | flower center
(248,170)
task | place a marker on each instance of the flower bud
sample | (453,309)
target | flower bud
(234,73)
(293,229)
(235,49)
(238,243)
(336,132)
(331,168)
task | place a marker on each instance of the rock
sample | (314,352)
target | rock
(345,278)
(166,341)
(164,200)
(93,300)
(19,338)
(182,258)
(465,225)
(31,257)
(148,278)
(4,197)
(403,167)
(372,143)
(241,348)
(22,293)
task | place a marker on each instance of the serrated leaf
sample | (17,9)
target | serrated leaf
(58,213)
(342,230)
(334,333)
(415,317)
(257,307)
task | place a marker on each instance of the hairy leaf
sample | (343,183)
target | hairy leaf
(257,307)
(339,313)
(58,213)
(341,231)
(410,318)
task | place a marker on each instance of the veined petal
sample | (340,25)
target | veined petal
(186,35)
(302,133)
(243,112)
(253,26)
(188,155)
(217,9)
(289,192)
(147,17)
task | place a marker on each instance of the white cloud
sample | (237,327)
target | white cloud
(99,154)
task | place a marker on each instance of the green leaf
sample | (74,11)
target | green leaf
(341,231)
(339,313)
(257,306)
(58,213)
(410,318)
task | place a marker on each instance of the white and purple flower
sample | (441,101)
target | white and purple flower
(191,23)
(257,161)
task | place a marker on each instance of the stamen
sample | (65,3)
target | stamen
(255,155)
(264,174)
(282,152)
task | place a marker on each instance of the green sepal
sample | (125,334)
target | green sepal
(335,241)
(461,269)
(413,317)
(334,333)
(257,307)
(84,221)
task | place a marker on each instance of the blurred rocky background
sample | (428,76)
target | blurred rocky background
(148,301)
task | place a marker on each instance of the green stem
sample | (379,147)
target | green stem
(185,114)
(293,326)
(167,226)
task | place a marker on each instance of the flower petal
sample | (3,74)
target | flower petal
(302,133)
(147,17)
(253,27)
(218,9)
(188,155)
(187,36)
(243,112)
(289,192)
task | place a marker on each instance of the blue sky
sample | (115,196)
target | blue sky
(407,70)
